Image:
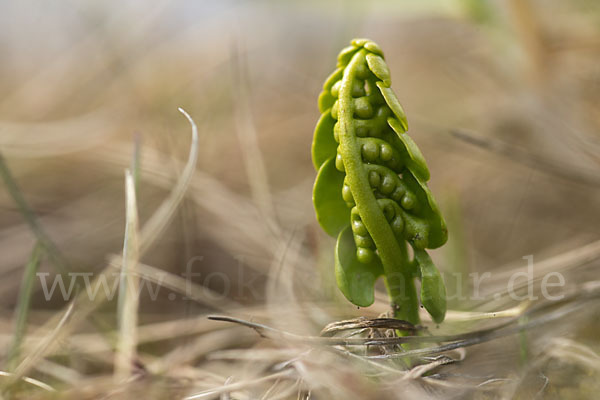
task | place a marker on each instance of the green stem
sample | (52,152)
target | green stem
(22,308)
(400,285)
(399,277)
(523,353)
(53,252)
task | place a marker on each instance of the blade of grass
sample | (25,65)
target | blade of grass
(17,195)
(39,351)
(31,381)
(136,162)
(540,163)
(523,346)
(77,311)
(285,374)
(59,372)
(128,300)
(187,288)
(22,308)
(85,304)
(159,220)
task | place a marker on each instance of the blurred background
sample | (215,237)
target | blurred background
(501,96)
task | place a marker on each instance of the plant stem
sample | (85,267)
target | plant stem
(22,308)
(400,285)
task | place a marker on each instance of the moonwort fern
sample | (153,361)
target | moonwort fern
(371,191)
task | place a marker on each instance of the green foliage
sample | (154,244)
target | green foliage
(355,279)
(371,191)
(433,291)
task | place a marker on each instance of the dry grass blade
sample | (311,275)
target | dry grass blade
(288,373)
(362,322)
(271,390)
(59,372)
(455,316)
(55,138)
(261,329)
(129,288)
(241,227)
(86,304)
(77,311)
(538,315)
(566,349)
(159,220)
(42,348)
(276,334)
(570,305)
(31,381)
(548,166)
(190,290)
(421,370)
(564,262)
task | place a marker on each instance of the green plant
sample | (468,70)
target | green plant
(371,191)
